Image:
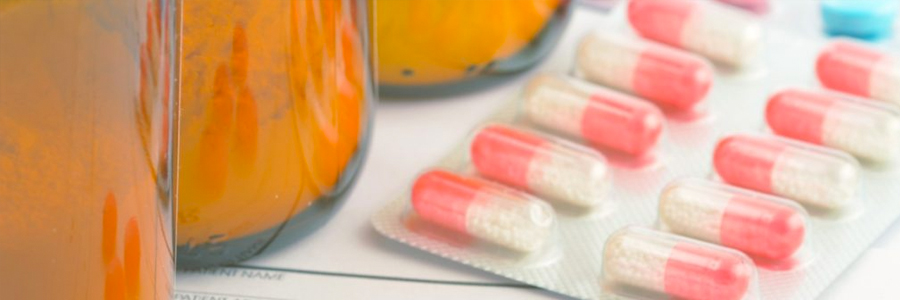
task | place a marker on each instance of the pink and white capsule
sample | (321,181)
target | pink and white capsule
(867,130)
(856,69)
(655,262)
(551,169)
(721,33)
(811,175)
(483,210)
(600,116)
(671,78)
(757,224)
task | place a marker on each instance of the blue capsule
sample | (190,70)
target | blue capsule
(863,19)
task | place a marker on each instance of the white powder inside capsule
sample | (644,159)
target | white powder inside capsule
(518,224)
(636,262)
(609,59)
(884,83)
(693,213)
(864,131)
(564,174)
(815,178)
(555,109)
(723,35)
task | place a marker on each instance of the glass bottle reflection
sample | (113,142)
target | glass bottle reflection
(276,101)
(86,111)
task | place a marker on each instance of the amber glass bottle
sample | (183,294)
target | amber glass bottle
(87,110)
(432,47)
(276,99)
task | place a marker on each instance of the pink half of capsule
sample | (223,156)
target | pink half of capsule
(483,210)
(720,33)
(852,68)
(753,223)
(866,130)
(603,117)
(809,174)
(671,78)
(660,263)
(546,167)
(663,21)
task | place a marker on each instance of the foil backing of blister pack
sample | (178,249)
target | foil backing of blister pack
(736,104)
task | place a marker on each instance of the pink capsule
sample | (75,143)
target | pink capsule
(757,224)
(852,68)
(548,168)
(756,6)
(645,260)
(670,78)
(866,130)
(720,33)
(603,117)
(483,210)
(810,175)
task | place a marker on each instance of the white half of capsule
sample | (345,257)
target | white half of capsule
(723,34)
(554,103)
(570,175)
(818,178)
(691,210)
(637,260)
(520,224)
(884,82)
(870,132)
(609,59)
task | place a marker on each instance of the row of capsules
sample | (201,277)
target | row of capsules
(810,160)
(705,230)
(810,156)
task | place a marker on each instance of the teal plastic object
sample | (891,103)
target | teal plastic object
(863,19)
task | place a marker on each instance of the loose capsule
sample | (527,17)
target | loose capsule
(810,175)
(852,68)
(548,168)
(659,263)
(483,210)
(603,117)
(670,78)
(868,19)
(865,130)
(756,224)
(720,33)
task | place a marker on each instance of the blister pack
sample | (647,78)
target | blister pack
(672,149)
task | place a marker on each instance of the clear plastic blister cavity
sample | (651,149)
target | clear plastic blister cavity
(477,208)
(868,130)
(622,126)
(549,168)
(639,262)
(856,69)
(722,34)
(814,176)
(769,229)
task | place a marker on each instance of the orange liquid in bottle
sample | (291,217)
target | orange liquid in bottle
(85,118)
(434,41)
(274,108)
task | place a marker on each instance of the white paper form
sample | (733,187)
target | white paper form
(347,259)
